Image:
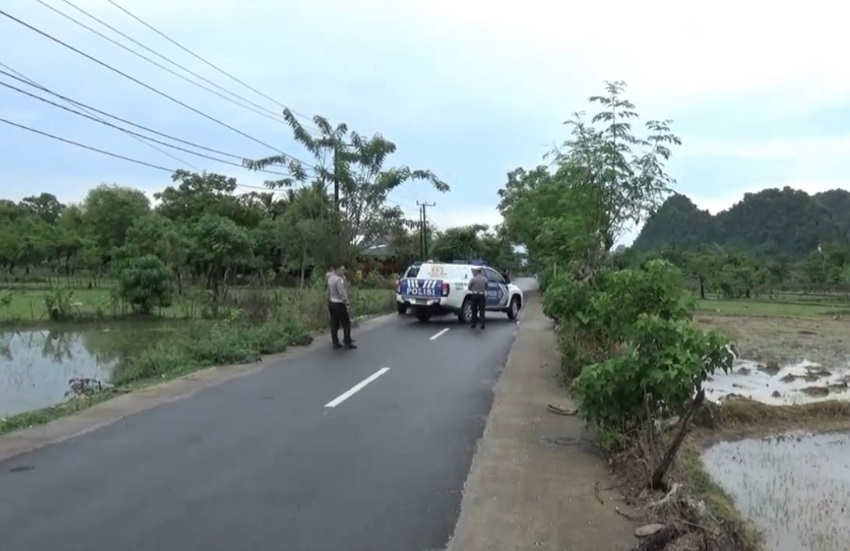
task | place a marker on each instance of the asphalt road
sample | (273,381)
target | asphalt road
(364,450)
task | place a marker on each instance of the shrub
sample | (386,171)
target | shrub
(661,370)
(145,282)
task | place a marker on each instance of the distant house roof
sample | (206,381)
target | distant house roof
(380,248)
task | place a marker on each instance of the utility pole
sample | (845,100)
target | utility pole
(337,226)
(423,232)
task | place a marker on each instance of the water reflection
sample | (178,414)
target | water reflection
(794,487)
(37,365)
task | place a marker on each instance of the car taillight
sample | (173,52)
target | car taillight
(446,288)
(398,286)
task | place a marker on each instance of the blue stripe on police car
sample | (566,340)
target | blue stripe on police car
(421,287)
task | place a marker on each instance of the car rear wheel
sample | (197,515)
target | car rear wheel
(465,315)
(402,308)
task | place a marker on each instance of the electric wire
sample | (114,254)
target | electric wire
(269,114)
(84,146)
(110,153)
(28,81)
(209,63)
(145,85)
(132,133)
(142,141)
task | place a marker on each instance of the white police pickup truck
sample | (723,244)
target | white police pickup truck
(403,305)
(440,289)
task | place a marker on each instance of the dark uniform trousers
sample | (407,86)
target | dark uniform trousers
(479,301)
(339,317)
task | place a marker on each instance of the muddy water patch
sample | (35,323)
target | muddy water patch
(774,384)
(793,487)
(40,367)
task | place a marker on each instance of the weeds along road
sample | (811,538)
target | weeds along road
(329,450)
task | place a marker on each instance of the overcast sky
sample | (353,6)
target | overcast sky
(759,92)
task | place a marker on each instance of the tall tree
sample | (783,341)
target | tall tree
(351,166)
(108,213)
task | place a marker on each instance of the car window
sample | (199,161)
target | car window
(493,275)
(412,271)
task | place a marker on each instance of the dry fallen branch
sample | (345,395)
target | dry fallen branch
(561,411)
(674,489)
(623,514)
(659,540)
(596,493)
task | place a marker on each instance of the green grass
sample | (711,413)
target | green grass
(27,305)
(782,307)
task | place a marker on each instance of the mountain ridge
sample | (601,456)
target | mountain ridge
(772,221)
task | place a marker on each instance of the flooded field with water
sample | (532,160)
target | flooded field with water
(801,382)
(38,365)
(795,487)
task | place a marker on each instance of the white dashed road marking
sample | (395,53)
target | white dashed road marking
(356,388)
(440,334)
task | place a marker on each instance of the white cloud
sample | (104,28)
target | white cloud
(532,56)
(773,149)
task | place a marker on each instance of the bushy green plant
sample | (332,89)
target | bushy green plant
(145,282)
(663,366)
(229,341)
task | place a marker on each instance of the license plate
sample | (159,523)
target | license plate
(421,301)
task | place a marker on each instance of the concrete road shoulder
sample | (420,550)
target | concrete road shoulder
(536,481)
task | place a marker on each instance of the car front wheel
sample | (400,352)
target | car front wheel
(513,309)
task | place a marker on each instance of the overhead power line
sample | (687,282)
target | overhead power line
(84,146)
(149,87)
(20,77)
(107,153)
(258,109)
(209,63)
(131,133)
(115,155)
(28,81)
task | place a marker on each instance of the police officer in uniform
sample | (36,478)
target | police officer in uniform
(478,287)
(338,308)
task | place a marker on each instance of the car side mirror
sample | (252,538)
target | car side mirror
(507,280)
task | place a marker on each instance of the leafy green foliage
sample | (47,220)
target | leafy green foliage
(662,356)
(210,233)
(624,326)
(353,166)
(145,283)
(475,241)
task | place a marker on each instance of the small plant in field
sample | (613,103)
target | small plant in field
(59,303)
